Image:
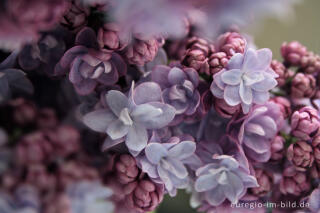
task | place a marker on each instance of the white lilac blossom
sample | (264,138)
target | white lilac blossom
(223,179)
(88,197)
(246,80)
(258,129)
(165,163)
(129,118)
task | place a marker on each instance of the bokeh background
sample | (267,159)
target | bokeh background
(303,26)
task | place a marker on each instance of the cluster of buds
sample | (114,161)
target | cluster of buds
(305,125)
(25,112)
(265,181)
(294,182)
(43,146)
(133,190)
(197,53)
(307,64)
(226,46)
(142,50)
(211,57)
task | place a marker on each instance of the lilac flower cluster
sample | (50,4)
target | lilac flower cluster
(109,105)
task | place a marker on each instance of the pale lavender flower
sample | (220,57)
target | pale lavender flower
(164,163)
(223,179)
(179,87)
(88,65)
(129,118)
(258,129)
(87,197)
(246,80)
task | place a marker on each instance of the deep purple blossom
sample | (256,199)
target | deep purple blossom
(246,80)
(88,65)
(129,118)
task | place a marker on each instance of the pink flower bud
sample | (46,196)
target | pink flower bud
(109,38)
(310,63)
(126,169)
(316,148)
(294,182)
(293,52)
(76,17)
(305,123)
(284,104)
(217,62)
(145,197)
(24,111)
(141,51)
(197,53)
(34,148)
(65,140)
(282,72)
(277,148)
(265,181)
(231,43)
(303,85)
(46,118)
(300,155)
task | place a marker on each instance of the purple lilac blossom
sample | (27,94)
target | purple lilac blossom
(246,80)
(258,129)
(88,65)
(129,118)
(179,88)
(223,179)
(164,163)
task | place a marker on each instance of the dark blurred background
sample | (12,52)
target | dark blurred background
(304,27)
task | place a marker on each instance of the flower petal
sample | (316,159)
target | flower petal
(232,77)
(117,129)
(176,76)
(161,120)
(177,168)
(231,95)
(265,85)
(137,138)
(164,176)
(216,196)
(146,92)
(235,61)
(182,150)
(245,93)
(205,183)
(117,101)
(99,120)
(154,152)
